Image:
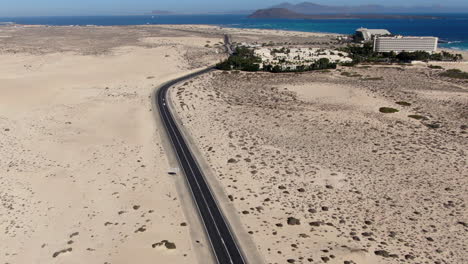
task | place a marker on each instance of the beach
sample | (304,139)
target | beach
(450,29)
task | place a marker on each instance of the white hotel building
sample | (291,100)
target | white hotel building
(408,44)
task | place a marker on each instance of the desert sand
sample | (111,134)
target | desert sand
(310,167)
(83,172)
(319,175)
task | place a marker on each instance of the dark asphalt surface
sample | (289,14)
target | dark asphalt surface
(228,45)
(223,243)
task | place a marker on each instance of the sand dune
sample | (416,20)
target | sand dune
(83,172)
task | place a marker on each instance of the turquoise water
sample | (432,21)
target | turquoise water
(453,28)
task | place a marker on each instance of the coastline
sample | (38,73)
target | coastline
(452,30)
(233,29)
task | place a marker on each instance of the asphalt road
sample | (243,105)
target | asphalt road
(223,243)
(228,44)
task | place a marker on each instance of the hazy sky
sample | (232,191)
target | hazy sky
(122,7)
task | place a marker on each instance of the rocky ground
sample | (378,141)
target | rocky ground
(319,175)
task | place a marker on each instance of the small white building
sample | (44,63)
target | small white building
(365,34)
(408,44)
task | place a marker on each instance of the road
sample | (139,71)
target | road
(223,242)
(228,44)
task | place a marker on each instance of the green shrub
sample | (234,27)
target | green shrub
(243,59)
(224,66)
(349,64)
(455,73)
(322,64)
(435,67)
(388,110)
(365,53)
(412,56)
(418,117)
(403,103)
(372,79)
(351,74)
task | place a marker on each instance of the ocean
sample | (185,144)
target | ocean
(452,28)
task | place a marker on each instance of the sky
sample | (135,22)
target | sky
(11,8)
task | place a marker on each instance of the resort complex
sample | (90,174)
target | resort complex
(407,44)
(373,46)
(365,34)
(384,41)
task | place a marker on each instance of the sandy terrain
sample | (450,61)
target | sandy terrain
(319,175)
(262,36)
(244,31)
(461,65)
(83,173)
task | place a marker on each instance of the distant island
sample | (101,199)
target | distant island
(317,9)
(284,13)
(309,10)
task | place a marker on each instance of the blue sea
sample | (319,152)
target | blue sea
(452,28)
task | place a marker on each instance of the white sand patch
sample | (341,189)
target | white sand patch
(340,95)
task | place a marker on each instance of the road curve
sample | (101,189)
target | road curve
(224,245)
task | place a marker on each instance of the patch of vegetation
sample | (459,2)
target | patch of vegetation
(351,74)
(403,103)
(433,125)
(365,53)
(388,110)
(373,79)
(319,65)
(349,64)
(435,67)
(282,50)
(418,117)
(243,59)
(455,73)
